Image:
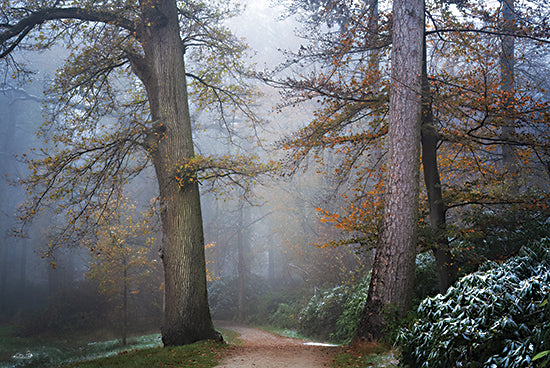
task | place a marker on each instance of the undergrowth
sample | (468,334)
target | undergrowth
(494,317)
(203,354)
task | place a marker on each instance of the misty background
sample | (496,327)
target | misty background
(258,241)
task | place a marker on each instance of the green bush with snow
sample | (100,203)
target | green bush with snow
(318,318)
(333,314)
(496,317)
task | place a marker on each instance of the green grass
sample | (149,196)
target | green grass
(231,337)
(202,354)
(141,351)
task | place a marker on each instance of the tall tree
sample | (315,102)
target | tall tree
(393,270)
(437,208)
(110,124)
(462,130)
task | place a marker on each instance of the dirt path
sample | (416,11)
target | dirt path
(261,349)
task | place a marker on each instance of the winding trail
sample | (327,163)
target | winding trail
(261,349)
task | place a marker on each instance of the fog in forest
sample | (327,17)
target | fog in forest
(262,239)
(301,234)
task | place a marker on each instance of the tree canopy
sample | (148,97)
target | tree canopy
(120,104)
(479,107)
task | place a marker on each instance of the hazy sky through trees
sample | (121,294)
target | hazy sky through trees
(265,31)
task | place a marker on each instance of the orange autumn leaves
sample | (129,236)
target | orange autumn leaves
(471,109)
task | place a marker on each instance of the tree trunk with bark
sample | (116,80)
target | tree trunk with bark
(161,68)
(393,270)
(241,262)
(186,313)
(446,269)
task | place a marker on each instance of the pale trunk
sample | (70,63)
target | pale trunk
(507,86)
(393,270)
(124,301)
(241,263)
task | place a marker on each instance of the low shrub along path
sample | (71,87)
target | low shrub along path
(262,349)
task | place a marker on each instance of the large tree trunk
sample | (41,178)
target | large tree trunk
(186,313)
(446,270)
(393,270)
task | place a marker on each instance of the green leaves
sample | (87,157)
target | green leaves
(496,316)
(541,355)
(333,314)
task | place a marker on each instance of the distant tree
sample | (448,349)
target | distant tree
(123,260)
(120,103)
(464,116)
(507,61)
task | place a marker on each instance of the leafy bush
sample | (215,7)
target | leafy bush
(347,323)
(278,307)
(261,300)
(425,277)
(286,316)
(495,317)
(318,318)
(334,314)
(497,235)
(222,298)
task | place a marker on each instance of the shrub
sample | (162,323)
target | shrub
(261,301)
(319,316)
(497,235)
(278,307)
(222,298)
(333,314)
(494,317)
(347,323)
(286,316)
(425,277)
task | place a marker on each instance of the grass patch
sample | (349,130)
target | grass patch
(47,352)
(141,351)
(202,354)
(231,337)
(351,359)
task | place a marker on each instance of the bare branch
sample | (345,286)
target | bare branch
(488,32)
(36,18)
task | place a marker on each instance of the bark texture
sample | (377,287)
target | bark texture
(393,270)
(446,269)
(186,313)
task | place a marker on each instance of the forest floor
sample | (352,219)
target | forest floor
(261,349)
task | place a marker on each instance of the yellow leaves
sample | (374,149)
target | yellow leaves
(234,168)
